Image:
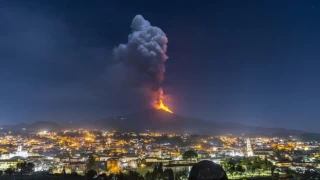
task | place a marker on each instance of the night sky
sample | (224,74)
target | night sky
(252,62)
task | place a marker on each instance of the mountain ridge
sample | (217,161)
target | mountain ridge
(162,121)
(35,126)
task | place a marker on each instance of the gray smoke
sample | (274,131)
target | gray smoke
(142,58)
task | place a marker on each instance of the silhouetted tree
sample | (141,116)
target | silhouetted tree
(112,177)
(25,167)
(157,172)
(168,174)
(225,165)
(272,170)
(103,176)
(239,168)
(74,173)
(132,175)
(21,166)
(263,166)
(91,164)
(160,168)
(289,172)
(49,170)
(148,176)
(245,161)
(91,173)
(309,174)
(9,171)
(189,155)
(30,167)
(181,175)
(232,170)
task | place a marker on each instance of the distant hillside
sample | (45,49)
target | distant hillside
(150,119)
(162,121)
(44,125)
(36,126)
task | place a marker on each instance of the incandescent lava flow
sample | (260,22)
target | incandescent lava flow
(159,103)
(163,107)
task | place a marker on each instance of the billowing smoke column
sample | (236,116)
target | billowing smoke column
(145,55)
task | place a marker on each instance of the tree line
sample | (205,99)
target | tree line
(21,167)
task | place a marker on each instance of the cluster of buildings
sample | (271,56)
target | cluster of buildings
(112,152)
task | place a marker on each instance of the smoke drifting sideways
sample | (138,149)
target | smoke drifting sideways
(140,63)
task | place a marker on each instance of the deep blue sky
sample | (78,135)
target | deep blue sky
(253,62)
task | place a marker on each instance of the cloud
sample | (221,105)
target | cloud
(140,62)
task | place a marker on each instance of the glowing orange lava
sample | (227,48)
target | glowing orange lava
(163,107)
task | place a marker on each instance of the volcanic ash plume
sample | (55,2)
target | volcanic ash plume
(145,55)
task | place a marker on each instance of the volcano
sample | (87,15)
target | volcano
(150,119)
(158,120)
(163,121)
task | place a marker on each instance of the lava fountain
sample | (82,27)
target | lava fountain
(159,104)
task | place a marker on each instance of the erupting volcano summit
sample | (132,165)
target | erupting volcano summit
(159,103)
(143,59)
(163,107)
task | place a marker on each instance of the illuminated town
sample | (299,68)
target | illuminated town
(111,153)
